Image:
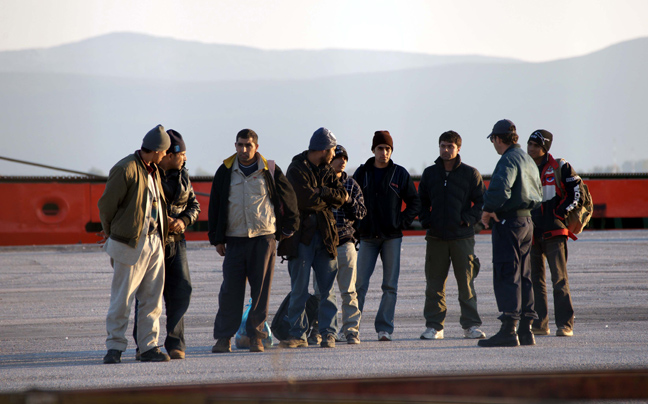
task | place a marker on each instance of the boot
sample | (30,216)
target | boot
(505,337)
(525,334)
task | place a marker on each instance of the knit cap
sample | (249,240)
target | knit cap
(156,139)
(382,137)
(322,139)
(542,138)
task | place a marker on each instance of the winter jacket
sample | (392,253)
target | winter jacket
(281,194)
(557,199)
(352,211)
(452,203)
(514,187)
(315,208)
(123,203)
(384,201)
(180,198)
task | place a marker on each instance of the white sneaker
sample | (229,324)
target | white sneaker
(431,333)
(384,336)
(474,333)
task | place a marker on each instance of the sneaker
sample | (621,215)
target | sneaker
(314,338)
(293,343)
(256,345)
(540,331)
(176,354)
(432,333)
(113,356)
(352,339)
(222,345)
(137,354)
(384,336)
(473,333)
(565,332)
(154,355)
(328,341)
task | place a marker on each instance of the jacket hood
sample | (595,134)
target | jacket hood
(229,162)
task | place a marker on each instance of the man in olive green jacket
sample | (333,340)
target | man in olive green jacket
(134,220)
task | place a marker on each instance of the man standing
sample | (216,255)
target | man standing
(452,195)
(561,192)
(182,211)
(385,187)
(514,190)
(319,191)
(134,220)
(251,206)
(352,211)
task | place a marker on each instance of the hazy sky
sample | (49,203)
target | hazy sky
(525,29)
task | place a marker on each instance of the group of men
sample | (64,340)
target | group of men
(315,215)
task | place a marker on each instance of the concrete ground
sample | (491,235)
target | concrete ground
(53,302)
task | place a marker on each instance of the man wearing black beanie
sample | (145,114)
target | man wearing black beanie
(562,190)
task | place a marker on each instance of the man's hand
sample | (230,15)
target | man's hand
(486,217)
(176,225)
(220,249)
(103,236)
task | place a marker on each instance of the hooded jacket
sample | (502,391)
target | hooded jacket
(452,203)
(315,208)
(180,197)
(384,201)
(281,194)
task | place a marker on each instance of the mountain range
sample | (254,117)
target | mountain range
(85,105)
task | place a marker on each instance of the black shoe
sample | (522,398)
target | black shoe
(222,345)
(113,356)
(525,334)
(328,341)
(505,337)
(314,338)
(154,355)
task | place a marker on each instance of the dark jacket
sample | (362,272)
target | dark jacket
(384,201)
(557,199)
(315,208)
(352,211)
(180,197)
(451,205)
(514,188)
(281,194)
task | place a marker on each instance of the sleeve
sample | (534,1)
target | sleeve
(307,198)
(113,196)
(412,203)
(355,209)
(499,189)
(572,184)
(473,215)
(286,194)
(425,215)
(192,210)
(332,190)
(216,236)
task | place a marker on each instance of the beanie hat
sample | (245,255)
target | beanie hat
(156,139)
(382,137)
(322,139)
(542,138)
(340,151)
(503,127)
(177,143)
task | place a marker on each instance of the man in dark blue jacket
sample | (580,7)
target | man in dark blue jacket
(514,190)
(452,195)
(385,186)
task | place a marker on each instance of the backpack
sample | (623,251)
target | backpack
(281,327)
(578,218)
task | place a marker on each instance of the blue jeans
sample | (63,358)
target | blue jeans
(325,268)
(389,250)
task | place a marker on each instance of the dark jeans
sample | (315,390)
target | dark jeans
(555,251)
(177,294)
(250,259)
(512,284)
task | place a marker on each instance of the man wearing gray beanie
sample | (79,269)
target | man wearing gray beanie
(318,191)
(133,215)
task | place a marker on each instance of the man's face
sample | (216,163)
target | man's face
(382,153)
(246,150)
(500,146)
(448,150)
(174,160)
(535,150)
(158,156)
(328,154)
(339,164)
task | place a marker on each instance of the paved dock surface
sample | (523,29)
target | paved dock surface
(53,302)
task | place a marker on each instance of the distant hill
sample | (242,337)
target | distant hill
(129,55)
(593,104)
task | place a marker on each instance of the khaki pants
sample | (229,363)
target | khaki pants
(144,280)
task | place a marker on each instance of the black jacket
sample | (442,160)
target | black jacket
(180,197)
(451,205)
(315,208)
(281,194)
(384,201)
